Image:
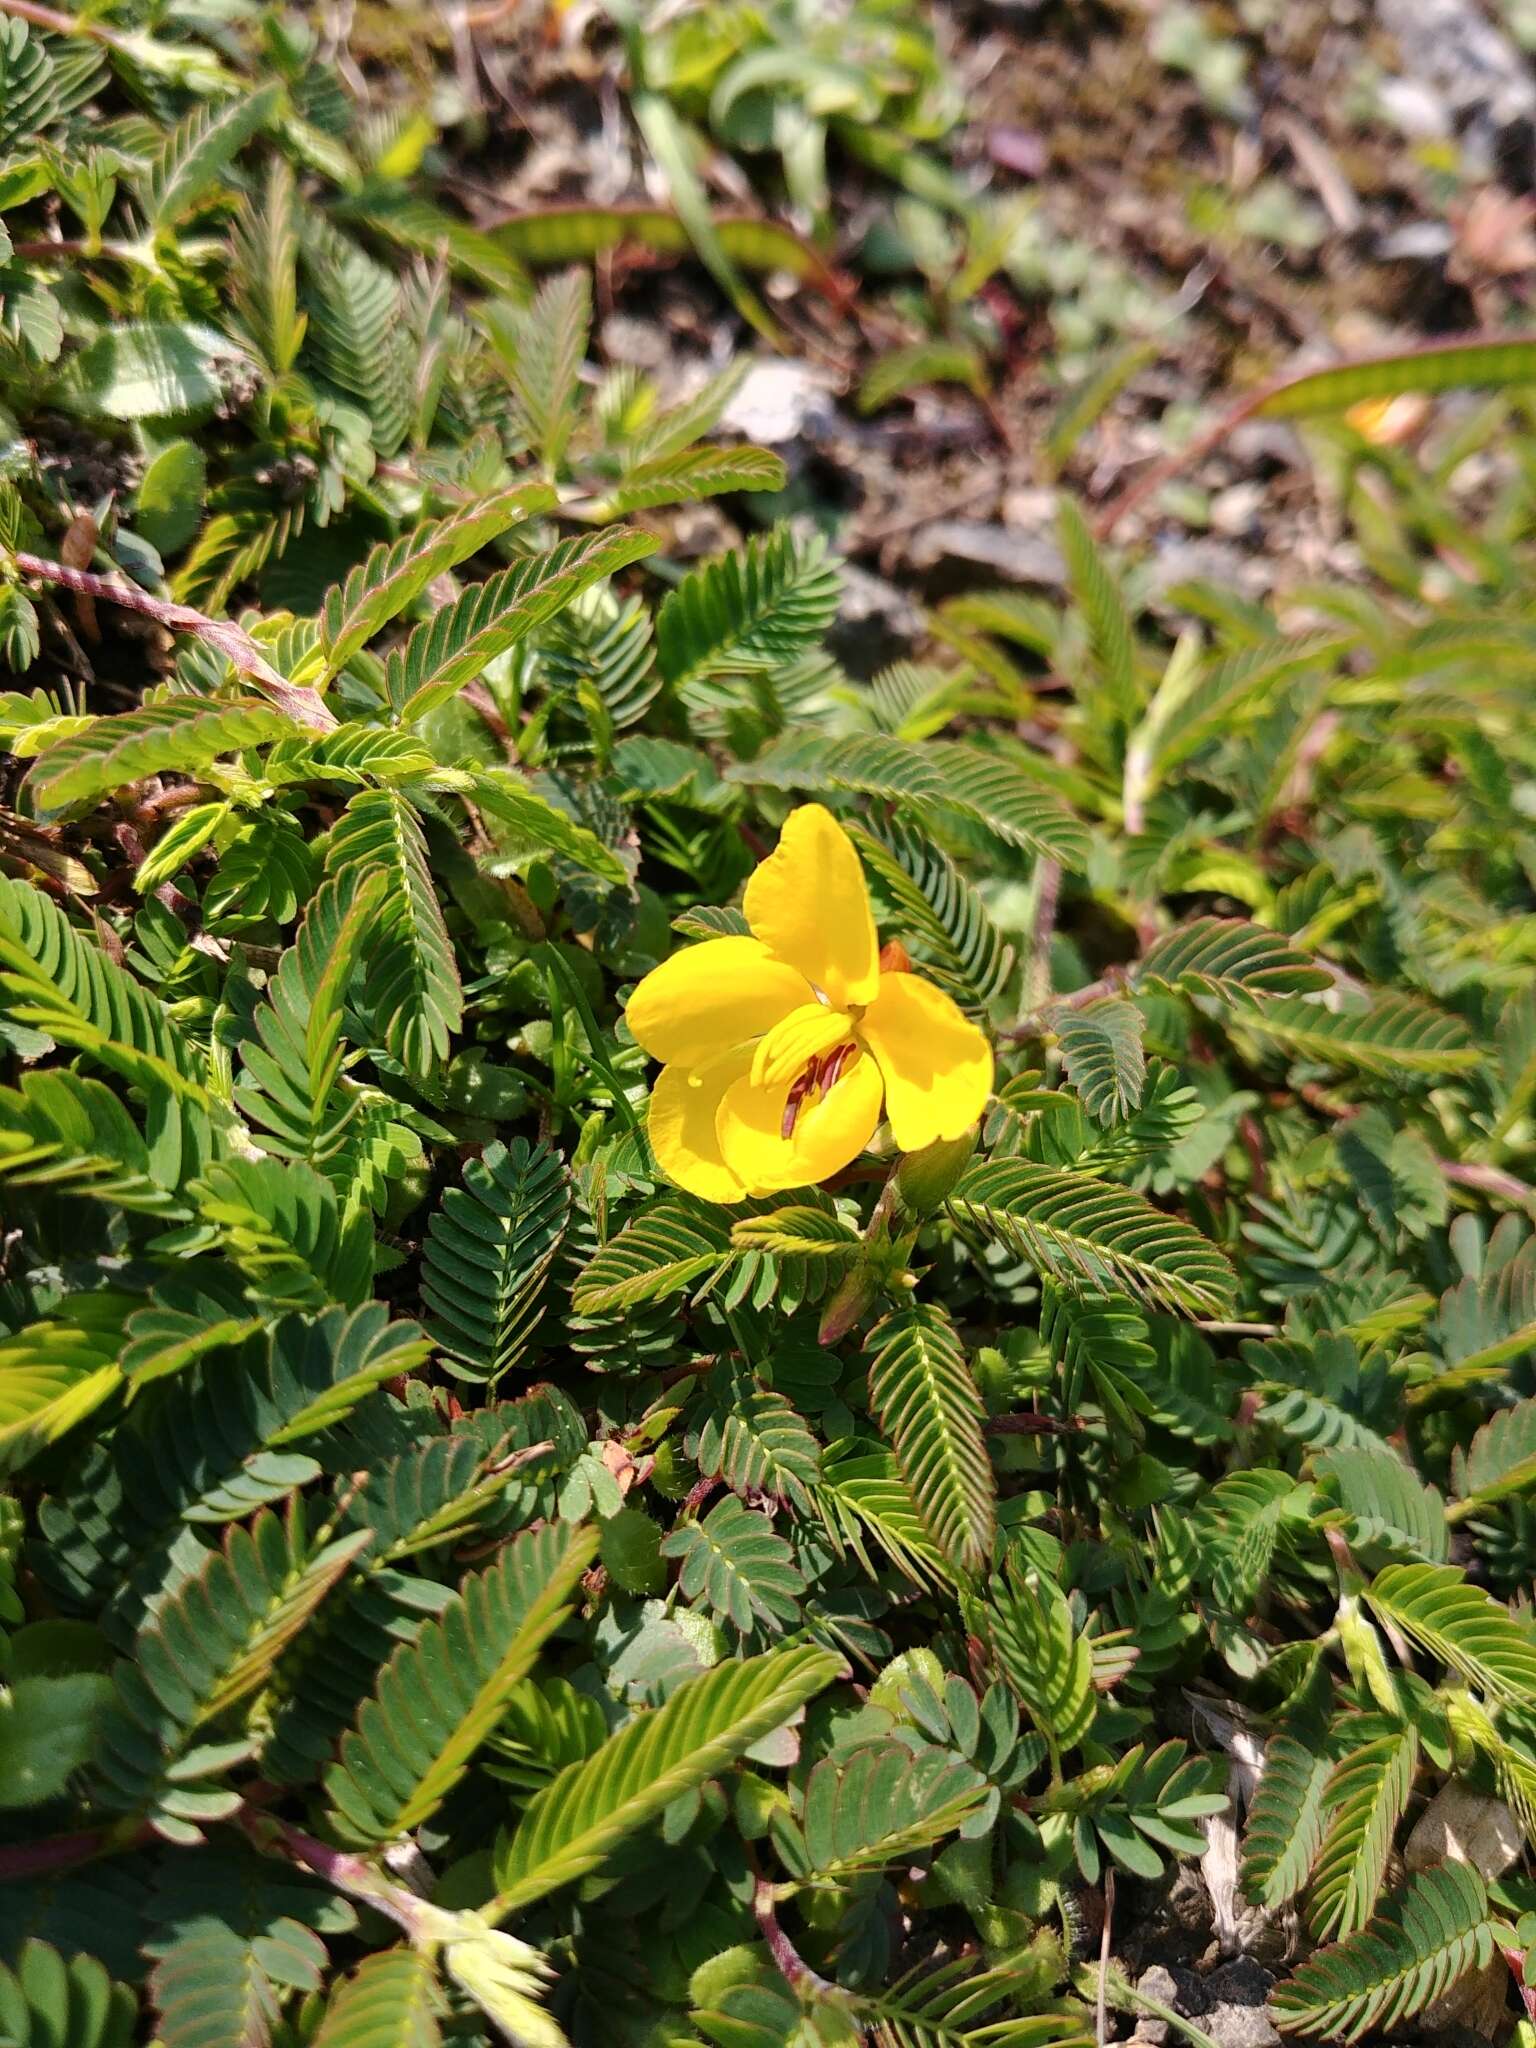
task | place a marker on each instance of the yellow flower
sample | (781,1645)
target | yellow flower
(780,1049)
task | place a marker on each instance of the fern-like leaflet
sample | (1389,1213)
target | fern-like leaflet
(1426,1937)
(441,1695)
(488,1254)
(921,1390)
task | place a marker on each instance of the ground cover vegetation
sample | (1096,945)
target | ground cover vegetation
(828,1533)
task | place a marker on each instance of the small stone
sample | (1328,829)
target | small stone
(1240,2026)
(1021,558)
(1421,241)
(1474,2007)
(642,343)
(1240,1982)
(1238,2016)
(876,622)
(1467,1827)
(779,402)
(1234,510)
(1030,509)
(1420,112)
(1180,1990)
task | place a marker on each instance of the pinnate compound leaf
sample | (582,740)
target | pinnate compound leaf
(452,647)
(753,1438)
(938,907)
(1366,1798)
(283,1226)
(1500,1460)
(536,822)
(212,1642)
(1387,1501)
(1395,1034)
(899,371)
(736,1564)
(394,574)
(488,1252)
(53,1373)
(1103,608)
(939,2008)
(881,1805)
(665,1249)
(391,2000)
(1080,1230)
(412,982)
(440,1696)
(707,1724)
(1101,1048)
(64,1131)
(192,155)
(798,1230)
(1228,958)
(357,333)
(1233,687)
(289,1082)
(928,779)
(747,611)
(1461,1624)
(921,1391)
(183,733)
(1285,1820)
(28,97)
(1424,1939)
(50,2001)
(56,980)
(210,1987)
(543,347)
(694,473)
(1044,1658)
(224,1441)
(867,1508)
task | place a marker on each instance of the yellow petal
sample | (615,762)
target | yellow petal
(797,1039)
(809,906)
(828,1133)
(937,1064)
(685,1103)
(708,998)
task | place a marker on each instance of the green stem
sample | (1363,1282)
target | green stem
(595,1052)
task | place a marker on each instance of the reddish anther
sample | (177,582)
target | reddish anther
(832,1065)
(797,1095)
(817,1079)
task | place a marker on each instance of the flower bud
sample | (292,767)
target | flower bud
(925,1178)
(849,1303)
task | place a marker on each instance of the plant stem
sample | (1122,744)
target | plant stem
(1037,984)
(1487,1180)
(790,1964)
(1101,2007)
(230,640)
(56,23)
(1180,459)
(345,1872)
(62,1852)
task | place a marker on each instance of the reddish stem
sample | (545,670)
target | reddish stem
(790,1964)
(230,640)
(61,1852)
(1169,466)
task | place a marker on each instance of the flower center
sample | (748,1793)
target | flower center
(814,1082)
